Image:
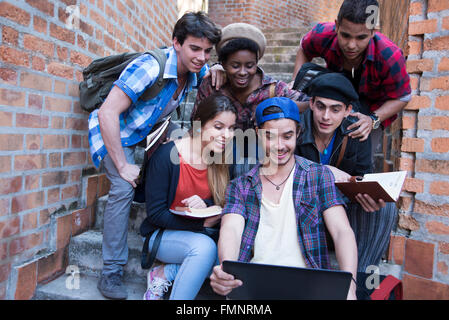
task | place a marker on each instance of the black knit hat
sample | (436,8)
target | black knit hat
(333,86)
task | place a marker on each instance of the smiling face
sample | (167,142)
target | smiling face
(217,132)
(353,38)
(279,140)
(240,67)
(192,54)
(328,114)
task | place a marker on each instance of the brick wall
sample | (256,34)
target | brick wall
(48,186)
(421,242)
(269,14)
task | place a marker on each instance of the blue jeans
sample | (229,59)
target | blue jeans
(189,258)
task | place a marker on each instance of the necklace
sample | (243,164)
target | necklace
(278,186)
(325,152)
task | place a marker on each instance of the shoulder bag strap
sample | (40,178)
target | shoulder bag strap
(342,151)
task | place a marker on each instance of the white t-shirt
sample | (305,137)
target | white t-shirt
(277,237)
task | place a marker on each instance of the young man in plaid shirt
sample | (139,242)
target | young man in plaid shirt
(277,212)
(123,121)
(372,62)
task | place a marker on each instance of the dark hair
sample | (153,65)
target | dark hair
(196,24)
(235,45)
(217,174)
(273,110)
(211,106)
(355,10)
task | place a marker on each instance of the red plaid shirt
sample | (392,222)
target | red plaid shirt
(384,76)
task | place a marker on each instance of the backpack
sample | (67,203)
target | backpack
(99,76)
(306,74)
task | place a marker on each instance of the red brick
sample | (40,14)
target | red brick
(431,208)
(440,145)
(52,266)
(439,228)
(31,120)
(10,36)
(407,222)
(40,25)
(59,105)
(32,181)
(63,53)
(442,102)
(444,65)
(33,43)
(42,5)
(91,190)
(74,158)
(419,258)
(439,188)
(419,66)
(53,195)
(440,83)
(422,27)
(445,23)
(9,227)
(408,122)
(442,268)
(418,102)
(80,59)
(103,185)
(27,201)
(35,101)
(29,221)
(437,5)
(54,178)
(62,34)
(56,141)
(421,289)
(34,81)
(81,220)
(54,160)
(397,249)
(19,245)
(60,70)
(412,145)
(12,98)
(11,142)
(70,192)
(29,162)
(405,164)
(64,231)
(60,87)
(76,124)
(414,185)
(5,164)
(432,166)
(26,281)
(437,44)
(33,142)
(8,76)
(14,13)
(415,8)
(13,56)
(443,247)
(10,185)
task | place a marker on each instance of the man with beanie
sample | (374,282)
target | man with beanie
(277,212)
(324,140)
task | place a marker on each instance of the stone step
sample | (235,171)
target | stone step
(85,253)
(281,50)
(136,215)
(65,288)
(285,77)
(297,34)
(277,67)
(278,58)
(284,42)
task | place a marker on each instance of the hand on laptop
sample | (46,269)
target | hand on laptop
(223,283)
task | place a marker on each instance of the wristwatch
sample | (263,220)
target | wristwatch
(376,120)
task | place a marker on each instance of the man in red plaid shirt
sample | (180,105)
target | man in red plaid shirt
(372,62)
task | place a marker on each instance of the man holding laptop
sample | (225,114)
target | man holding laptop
(277,212)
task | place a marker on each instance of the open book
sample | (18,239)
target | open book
(154,136)
(386,186)
(197,213)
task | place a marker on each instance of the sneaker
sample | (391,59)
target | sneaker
(112,287)
(156,286)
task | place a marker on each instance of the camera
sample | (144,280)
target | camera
(347,122)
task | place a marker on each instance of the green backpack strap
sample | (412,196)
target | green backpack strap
(154,90)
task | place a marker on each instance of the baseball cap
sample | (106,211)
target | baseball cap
(288,107)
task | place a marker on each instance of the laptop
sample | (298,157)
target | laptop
(270,282)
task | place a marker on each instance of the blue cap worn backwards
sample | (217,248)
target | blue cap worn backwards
(288,107)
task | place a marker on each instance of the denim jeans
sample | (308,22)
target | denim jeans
(189,258)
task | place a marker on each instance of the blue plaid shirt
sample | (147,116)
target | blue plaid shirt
(137,121)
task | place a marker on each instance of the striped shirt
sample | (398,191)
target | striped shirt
(138,120)
(314,191)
